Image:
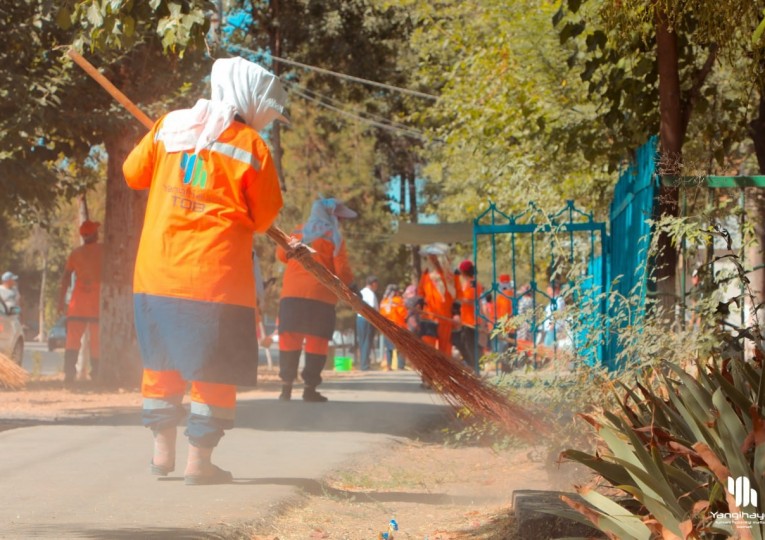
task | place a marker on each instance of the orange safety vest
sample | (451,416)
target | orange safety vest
(504,304)
(393,309)
(300,283)
(85,262)
(466,294)
(436,301)
(201,214)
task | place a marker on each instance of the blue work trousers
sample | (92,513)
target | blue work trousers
(365,335)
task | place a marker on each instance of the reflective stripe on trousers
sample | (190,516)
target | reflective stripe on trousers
(212,409)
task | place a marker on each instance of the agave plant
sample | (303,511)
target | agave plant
(688,450)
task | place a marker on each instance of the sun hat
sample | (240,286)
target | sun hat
(467,267)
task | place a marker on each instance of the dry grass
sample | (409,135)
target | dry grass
(431,490)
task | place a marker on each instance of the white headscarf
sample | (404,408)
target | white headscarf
(323,219)
(238,87)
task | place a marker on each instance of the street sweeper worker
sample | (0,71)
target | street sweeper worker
(82,312)
(468,289)
(504,310)
(212,184)
(306,306)
(392,307)
(437,290)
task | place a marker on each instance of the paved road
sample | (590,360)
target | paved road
(40,361)
(91,481)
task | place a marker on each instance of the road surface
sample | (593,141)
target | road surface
(76,480)
(38,360)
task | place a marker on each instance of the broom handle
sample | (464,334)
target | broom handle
(109,87)
(301,252)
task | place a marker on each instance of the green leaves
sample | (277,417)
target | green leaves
(757,35)
(570,30)
(117,24)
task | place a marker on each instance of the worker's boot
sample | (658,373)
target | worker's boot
(70,367)
(310,394)
(286,394)
(288,367)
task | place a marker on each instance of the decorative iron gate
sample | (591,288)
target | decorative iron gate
(552,259)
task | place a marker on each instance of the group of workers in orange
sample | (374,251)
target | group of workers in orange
(444,326)
(212,184)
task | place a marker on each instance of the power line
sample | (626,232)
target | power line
(384,124)
(404,131)
(342,75)
(339,103)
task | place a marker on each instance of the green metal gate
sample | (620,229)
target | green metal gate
(542,251)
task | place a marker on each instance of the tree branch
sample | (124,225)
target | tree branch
(695,91)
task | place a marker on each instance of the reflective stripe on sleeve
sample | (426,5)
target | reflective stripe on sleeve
(236,153)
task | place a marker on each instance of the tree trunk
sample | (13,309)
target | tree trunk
(755,207)
(83,209)
(83,357)
(41,334)
(416,262)
(276,134)
(671,136)
(120,358)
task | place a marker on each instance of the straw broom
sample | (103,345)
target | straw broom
(459,386)
(12,375)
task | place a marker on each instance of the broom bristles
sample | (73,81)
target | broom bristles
(12,375)
(460,386)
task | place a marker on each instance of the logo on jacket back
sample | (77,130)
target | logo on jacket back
(194,171)
(742,490)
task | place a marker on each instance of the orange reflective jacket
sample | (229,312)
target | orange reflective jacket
(201,214)
(504,304)
(393,309)
(300,283)
(85,262)
(467,291)
(438,299)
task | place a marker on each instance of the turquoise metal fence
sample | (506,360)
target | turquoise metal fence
(614,282)
(556,242)
(630,239)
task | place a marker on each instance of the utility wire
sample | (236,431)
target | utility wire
(321,100)
(342,75)
(339,103)
(404,131)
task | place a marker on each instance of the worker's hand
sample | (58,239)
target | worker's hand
(266,341)
(293,242)
(296,247)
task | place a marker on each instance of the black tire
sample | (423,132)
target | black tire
(18,352)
